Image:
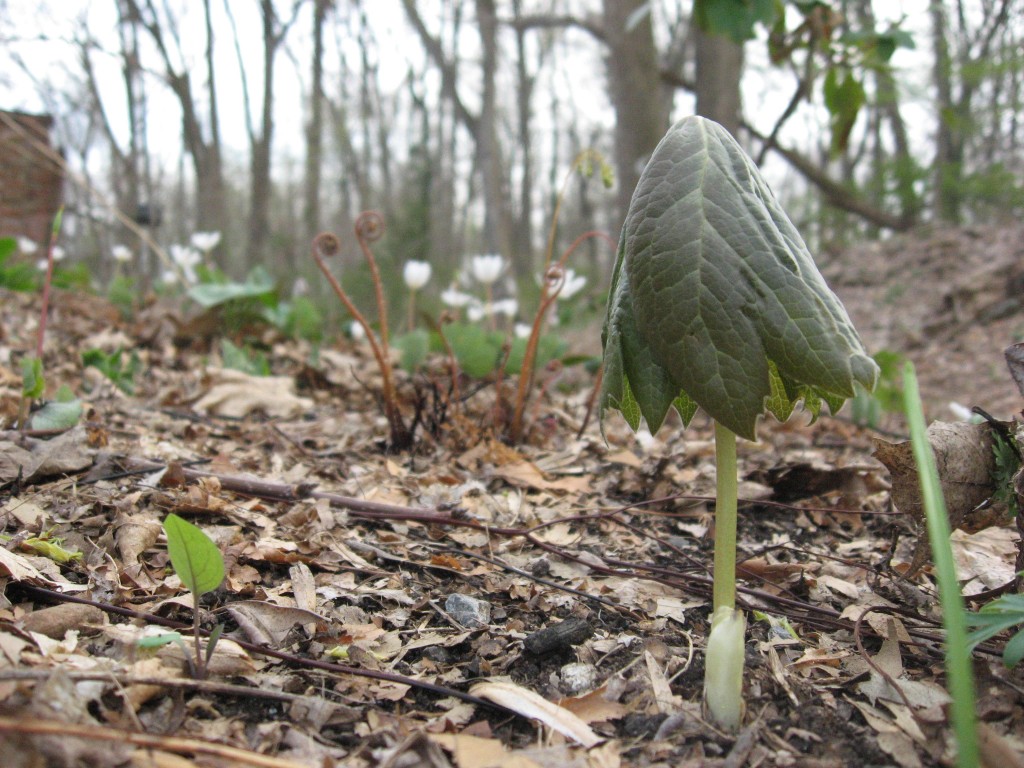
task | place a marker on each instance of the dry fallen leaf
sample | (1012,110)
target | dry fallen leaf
(536,707)
(966,464)
(236,395)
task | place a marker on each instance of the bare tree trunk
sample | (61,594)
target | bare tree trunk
(205,153)
(523,231)
(497,208)
(948,147)
(641,110)
(258,247)
(482,127)
(719,66)
(315,127)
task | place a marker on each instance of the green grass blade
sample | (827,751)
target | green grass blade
(958,655)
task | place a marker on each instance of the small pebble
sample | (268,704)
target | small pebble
(578,678)
(468,611)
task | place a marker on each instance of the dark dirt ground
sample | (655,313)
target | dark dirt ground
(338,605)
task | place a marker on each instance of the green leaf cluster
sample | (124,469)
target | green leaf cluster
(1002,613)
(478,351)
(115,366)
(244,359)
(19,276)
(716,301)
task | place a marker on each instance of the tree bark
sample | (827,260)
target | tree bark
(205,153)
(641,109)
(315,127)
(719,66)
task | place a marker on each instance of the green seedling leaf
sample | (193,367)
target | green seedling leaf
(549,347)
(33,384)
(211,641)
(196,559)
(241,359)
(61,413)
(120,372)
(713,287)
(258,285)
(159,641)
(413,348)
(477,351)
(996,617)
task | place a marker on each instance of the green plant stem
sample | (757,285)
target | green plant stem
(725,518)
(200,663)
(958,654)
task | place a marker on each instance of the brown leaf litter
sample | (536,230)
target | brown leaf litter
(343,645)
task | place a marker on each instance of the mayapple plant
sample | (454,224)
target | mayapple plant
(716,302)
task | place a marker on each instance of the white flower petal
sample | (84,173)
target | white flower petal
(416,274)
(206,241)
(456,298)
(487,268)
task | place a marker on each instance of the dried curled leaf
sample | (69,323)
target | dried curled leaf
(966,463)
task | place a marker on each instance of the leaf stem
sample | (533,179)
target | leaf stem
(725,518)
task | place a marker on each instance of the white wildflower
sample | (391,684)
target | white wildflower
(487,268)
(206,241)
(507,307)
(456,298)
(572,284)
(121,253)
(416,274)
(27,246)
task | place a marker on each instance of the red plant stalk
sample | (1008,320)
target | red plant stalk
(328,244)
(54,232)
(553,282)
(453,363)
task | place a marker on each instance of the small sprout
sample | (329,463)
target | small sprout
(200,566)
(716,302)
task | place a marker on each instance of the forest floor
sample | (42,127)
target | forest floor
(397,610)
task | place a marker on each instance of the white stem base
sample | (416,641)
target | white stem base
(723,669)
